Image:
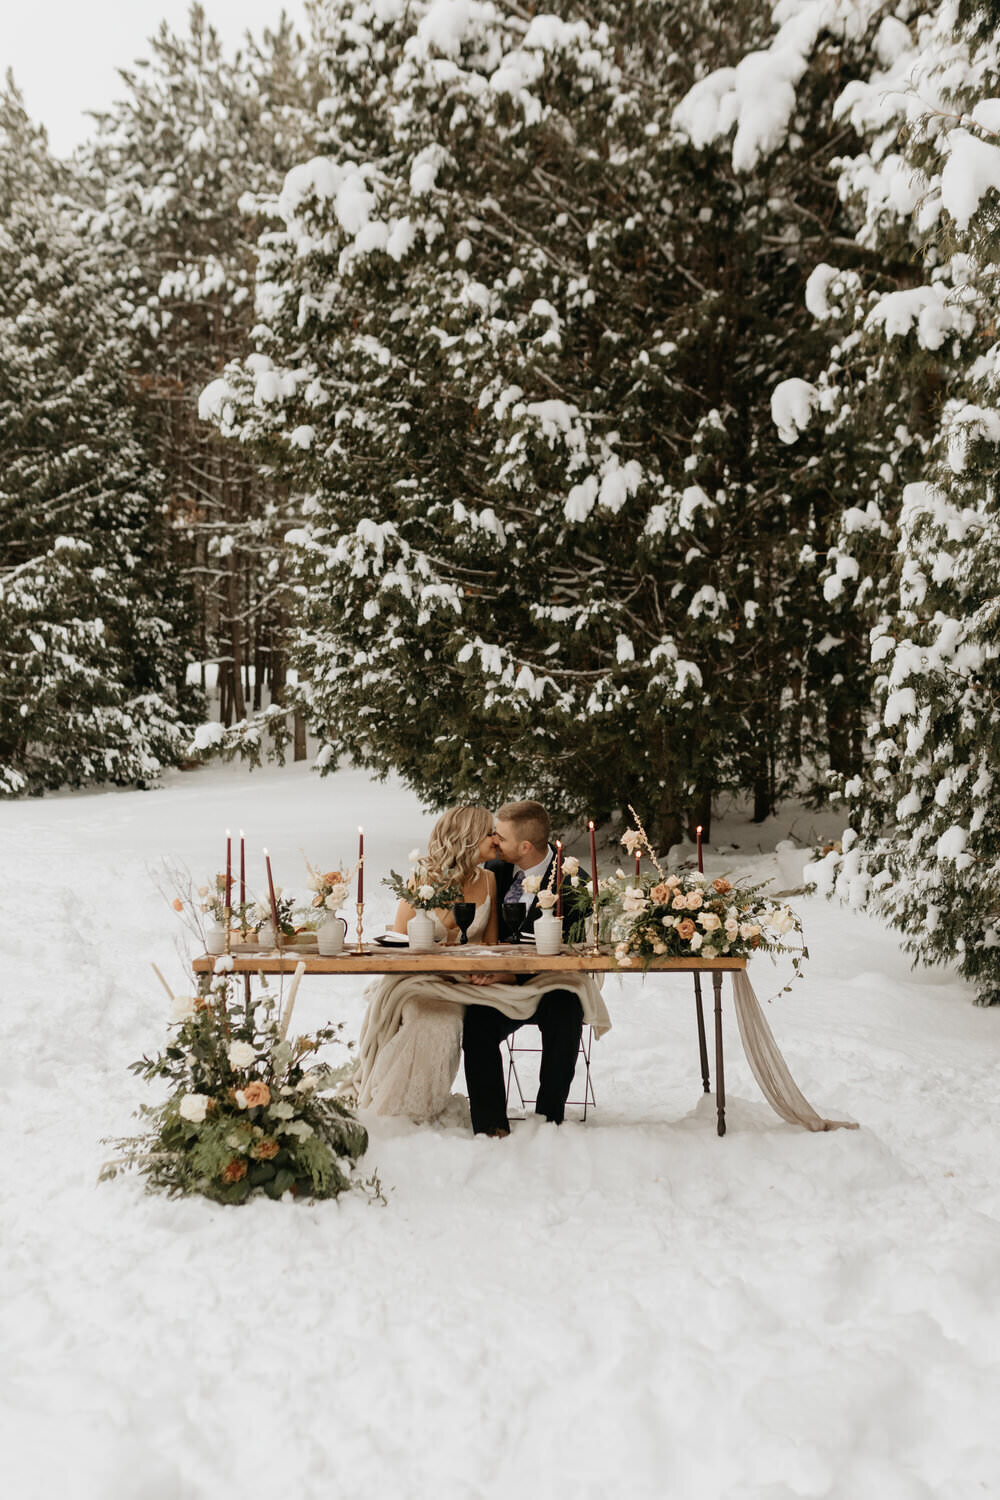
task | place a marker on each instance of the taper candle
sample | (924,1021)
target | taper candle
(701,862)
(559,910)
(638,856)
(593,868)
(229,871)
(274,899)
(361,865)
(243,871)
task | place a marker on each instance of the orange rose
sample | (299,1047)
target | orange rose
(685,929)
(660,893)
(333,877)
(256,1093)
(722,886)
(265,1149)
(235,1171)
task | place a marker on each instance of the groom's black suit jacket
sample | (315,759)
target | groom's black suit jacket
(504,873)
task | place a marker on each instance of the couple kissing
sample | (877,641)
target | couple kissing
(417,1026)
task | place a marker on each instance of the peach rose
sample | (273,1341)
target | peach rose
(256,1093)
(333,877)
(660,894)
(686,929)
(721,886)
(235,1170)
(678,903)
(265,1149)
(693,900)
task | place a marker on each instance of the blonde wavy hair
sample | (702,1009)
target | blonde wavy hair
(453,847)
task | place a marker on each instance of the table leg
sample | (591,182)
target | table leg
(702,1044)
(720,1077)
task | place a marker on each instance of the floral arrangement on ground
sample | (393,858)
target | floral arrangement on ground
(244,1115)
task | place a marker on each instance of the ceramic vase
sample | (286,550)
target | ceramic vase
(548,934)
(420,932)
(330,936)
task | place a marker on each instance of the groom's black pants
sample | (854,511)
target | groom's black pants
(559,1018)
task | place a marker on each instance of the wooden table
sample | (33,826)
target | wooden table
(508,959)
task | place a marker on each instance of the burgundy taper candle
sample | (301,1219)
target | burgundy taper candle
(701,862)
(229,871)
(593,867)
(361,865)
(274,901)
(638,856)
(559,877)
(243,870)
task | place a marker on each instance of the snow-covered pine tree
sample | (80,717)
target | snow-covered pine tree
(182,167)
(516,346)
(918,362)
(91,672)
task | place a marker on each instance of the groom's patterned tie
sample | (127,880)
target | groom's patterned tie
(516,891)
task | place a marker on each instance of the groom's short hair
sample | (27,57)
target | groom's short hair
(529,820)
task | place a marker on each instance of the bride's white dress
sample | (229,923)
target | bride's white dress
(412,1072)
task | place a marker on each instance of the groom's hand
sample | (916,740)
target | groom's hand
(487,978)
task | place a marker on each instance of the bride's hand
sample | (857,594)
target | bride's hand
(487,978)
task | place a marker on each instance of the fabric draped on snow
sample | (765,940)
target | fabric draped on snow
(769,1067)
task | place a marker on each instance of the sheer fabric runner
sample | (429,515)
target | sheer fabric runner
(769,1067)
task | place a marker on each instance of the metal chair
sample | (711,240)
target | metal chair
(514,1045)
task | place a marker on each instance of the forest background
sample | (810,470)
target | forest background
(596,402)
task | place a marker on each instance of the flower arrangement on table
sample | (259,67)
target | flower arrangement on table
(258,913)
(331,888)
(692,915)
(244,1115)
(426,888)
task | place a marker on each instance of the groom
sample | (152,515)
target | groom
(522,841)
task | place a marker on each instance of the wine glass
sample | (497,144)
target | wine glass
(465,914)
(514,914)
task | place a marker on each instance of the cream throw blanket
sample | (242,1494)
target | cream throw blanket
(518,1001)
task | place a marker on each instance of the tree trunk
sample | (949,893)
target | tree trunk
(300,735)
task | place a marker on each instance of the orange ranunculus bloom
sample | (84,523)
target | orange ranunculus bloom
(256,1093)
(660,894)
(265,1149)
(235,1170)
(177,904)
(721,886)
(685,929)
(333,877)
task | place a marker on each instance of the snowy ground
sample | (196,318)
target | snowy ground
(627,1307)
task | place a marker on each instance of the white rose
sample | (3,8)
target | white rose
(315,882)
(193,1106)
(749,930)
(241,1055)
(696,941)
(332,902)
(571,865)
(300,1128)
(696,877)
(709,921)
(241,1099)
(532,884)
(546,900)
(574,880)
(782,921)
(669,921)
(306,1083)
(282,1111)
(183,1008)
(425,892)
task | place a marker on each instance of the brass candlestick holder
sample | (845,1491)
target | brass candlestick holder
(227,917)
(595,944)
(361,926)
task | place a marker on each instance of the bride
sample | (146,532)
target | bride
(411,1037)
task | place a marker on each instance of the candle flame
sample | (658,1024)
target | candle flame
(698,830)
(265,854)
(241,833)
(591,823)
(558,843)
(227,833)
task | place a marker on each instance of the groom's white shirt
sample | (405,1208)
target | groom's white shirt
(539,869)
